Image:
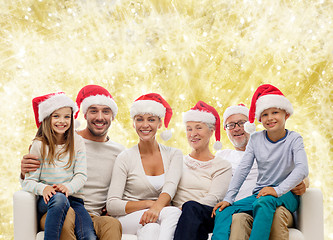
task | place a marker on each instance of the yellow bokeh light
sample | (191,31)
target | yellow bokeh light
(216,51)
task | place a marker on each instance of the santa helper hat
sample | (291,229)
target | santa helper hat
(153,103)
(95,95)
(265,97)
(202,112)
(45,105)
(238,109)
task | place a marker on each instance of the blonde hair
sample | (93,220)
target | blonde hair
(46,135)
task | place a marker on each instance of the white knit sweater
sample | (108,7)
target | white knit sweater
(101,157)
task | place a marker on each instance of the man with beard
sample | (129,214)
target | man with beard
(234,119)
(99,109)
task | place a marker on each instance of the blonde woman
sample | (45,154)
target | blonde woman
(145,177)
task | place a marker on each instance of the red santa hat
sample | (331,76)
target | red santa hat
(45,105)
(202,112)
(153,103)
(238,109)
(95,95)
(265,97)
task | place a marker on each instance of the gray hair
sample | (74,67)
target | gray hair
(211,126)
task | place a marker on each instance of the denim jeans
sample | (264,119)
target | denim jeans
(57,208)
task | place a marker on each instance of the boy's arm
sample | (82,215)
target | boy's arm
(300,189)
(241,173)
(300,171)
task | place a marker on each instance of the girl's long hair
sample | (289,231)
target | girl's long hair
(46,135)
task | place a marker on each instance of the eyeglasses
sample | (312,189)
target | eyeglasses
(232,125)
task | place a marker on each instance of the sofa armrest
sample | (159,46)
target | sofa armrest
(311,215)
(25,215)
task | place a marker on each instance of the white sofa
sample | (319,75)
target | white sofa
(310,224)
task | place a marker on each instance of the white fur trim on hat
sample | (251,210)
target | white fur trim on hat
(272,101)
(198,116)
(235,110)
(48,106)
(99,100)
(147,107)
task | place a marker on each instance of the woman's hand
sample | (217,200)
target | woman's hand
(61,188)
(150,216)
(222,205)
(267,191)
(48,192)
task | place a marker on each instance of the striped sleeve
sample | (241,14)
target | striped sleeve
(31,182)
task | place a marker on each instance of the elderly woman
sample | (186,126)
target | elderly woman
(205,177)
(145,177)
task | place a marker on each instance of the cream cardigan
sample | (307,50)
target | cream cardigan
(129,181)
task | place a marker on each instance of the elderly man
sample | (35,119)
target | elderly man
(234,119)
(99,109)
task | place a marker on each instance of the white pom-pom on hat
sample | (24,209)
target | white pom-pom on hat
(249,127)
(77,123)
(217,145)
(166,135)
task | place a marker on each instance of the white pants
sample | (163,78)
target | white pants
(163,229)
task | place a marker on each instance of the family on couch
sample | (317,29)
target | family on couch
(154,192)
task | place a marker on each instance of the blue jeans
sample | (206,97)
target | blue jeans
(262,209)
(195,222)
(57,208)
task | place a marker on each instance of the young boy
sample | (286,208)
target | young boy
(282,164)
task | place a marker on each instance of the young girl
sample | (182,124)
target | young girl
(62,172)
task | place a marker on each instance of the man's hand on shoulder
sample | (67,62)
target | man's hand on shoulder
(29,163)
